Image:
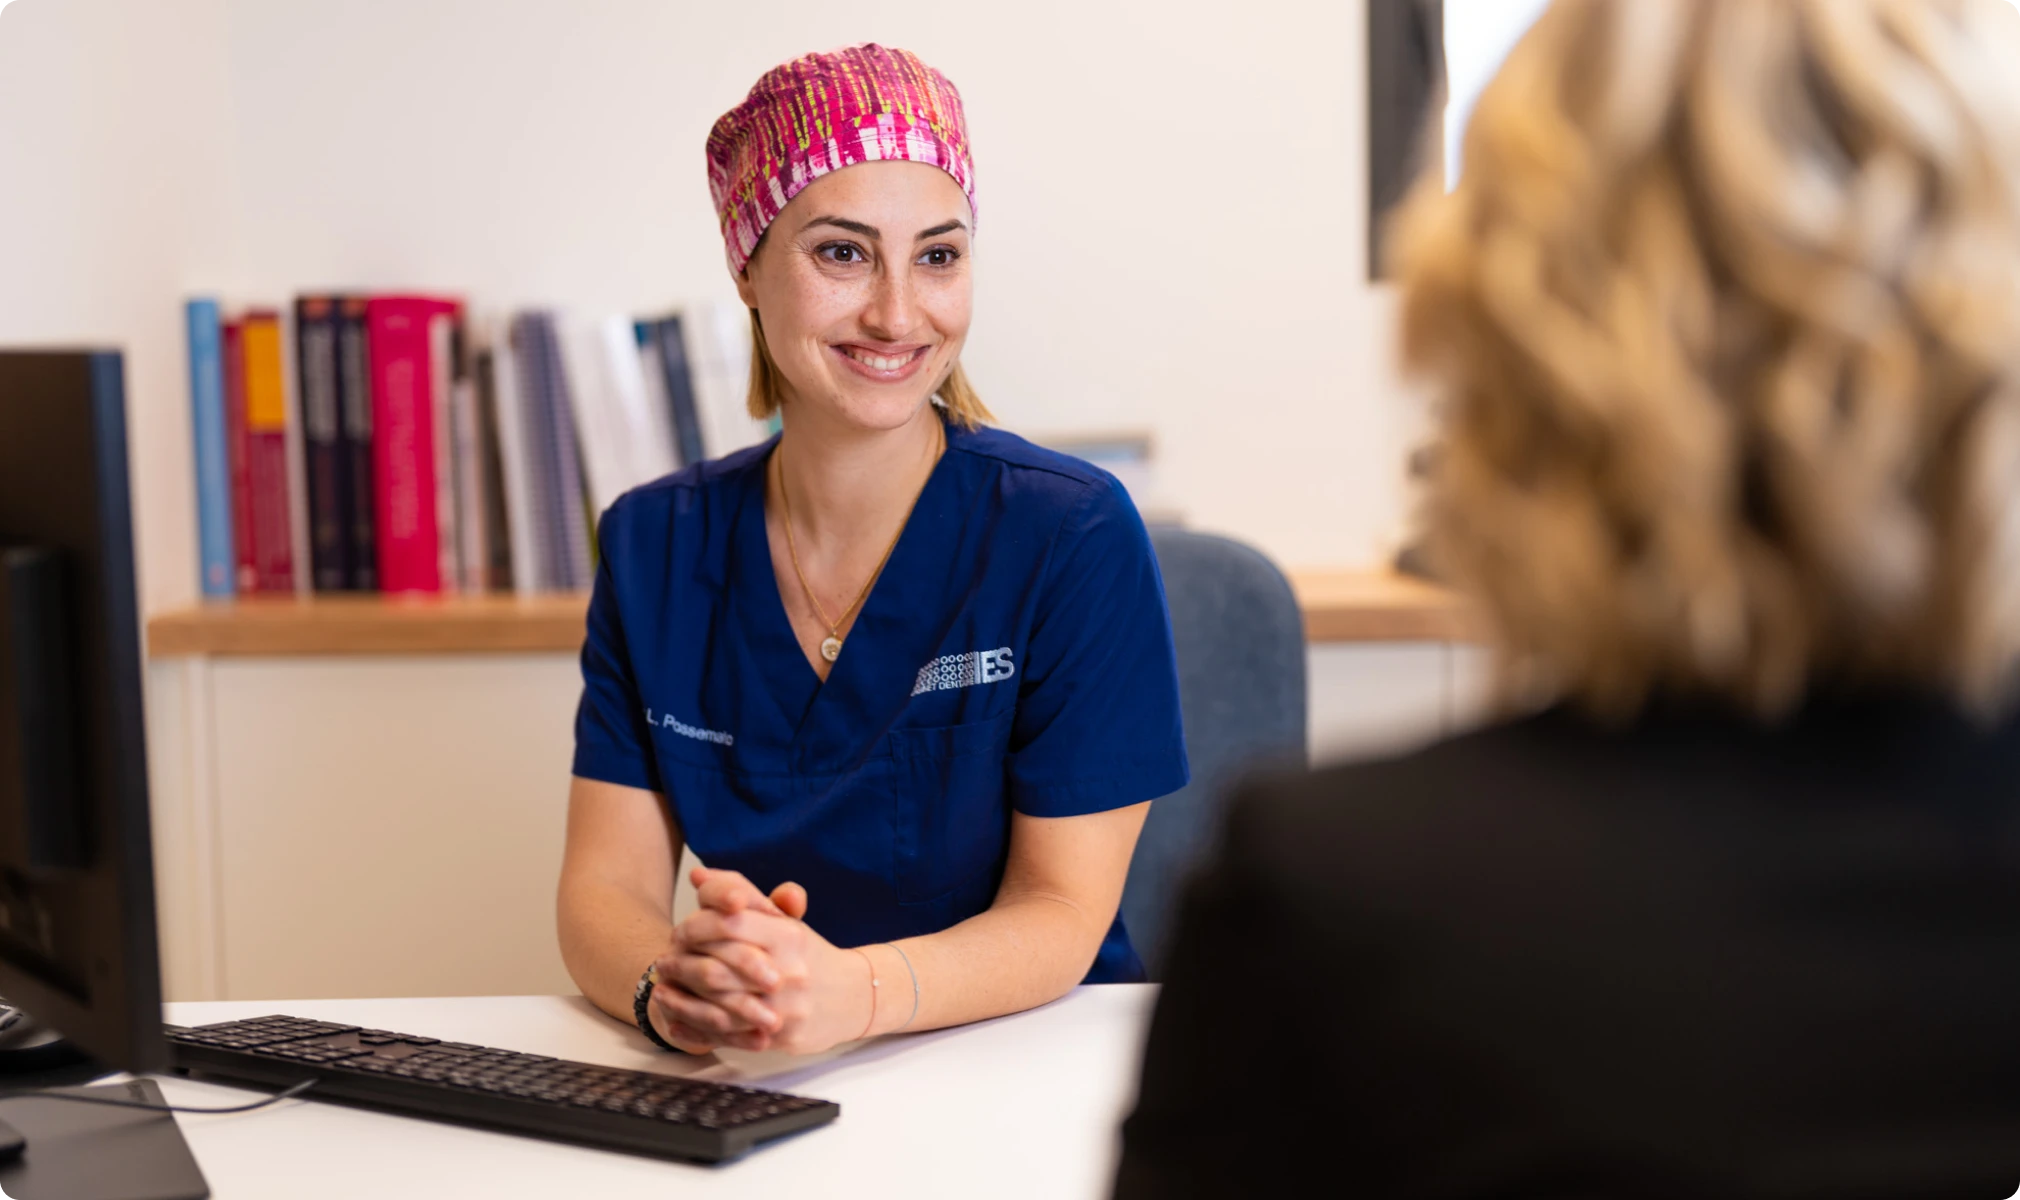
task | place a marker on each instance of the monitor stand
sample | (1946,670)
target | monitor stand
(63,1150)
(74,1151)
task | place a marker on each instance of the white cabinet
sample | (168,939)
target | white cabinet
(360,826)
(391,825)
(1372,699)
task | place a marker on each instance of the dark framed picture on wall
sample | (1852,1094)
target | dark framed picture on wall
(1428,61)
(1406,82)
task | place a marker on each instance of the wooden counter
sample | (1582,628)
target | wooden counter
(1340,606)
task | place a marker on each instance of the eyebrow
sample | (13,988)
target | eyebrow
(869,231)
(875,234)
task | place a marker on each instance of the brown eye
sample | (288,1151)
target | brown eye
(843,253)
(939,256)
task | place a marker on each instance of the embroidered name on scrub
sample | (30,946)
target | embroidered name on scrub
(669,721)
(964,670)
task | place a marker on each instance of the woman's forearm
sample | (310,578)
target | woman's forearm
(1060,890)
(1024,951)
(614,905)
(608,937)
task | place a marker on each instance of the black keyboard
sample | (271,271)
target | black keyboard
(614,1109)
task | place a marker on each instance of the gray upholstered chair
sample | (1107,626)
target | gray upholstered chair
(1241,679)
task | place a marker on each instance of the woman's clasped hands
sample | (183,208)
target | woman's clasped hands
(745,970)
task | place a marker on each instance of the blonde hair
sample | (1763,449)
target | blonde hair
(957,396)
(1724,316)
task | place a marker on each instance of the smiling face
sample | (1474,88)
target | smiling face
(864,290)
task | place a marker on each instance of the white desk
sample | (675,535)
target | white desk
(1025,1107)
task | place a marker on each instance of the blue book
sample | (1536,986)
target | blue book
(213,459)
(680,392)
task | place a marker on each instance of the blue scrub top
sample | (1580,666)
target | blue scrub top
(1015,655)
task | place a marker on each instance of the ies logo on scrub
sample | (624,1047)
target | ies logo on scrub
(965,670)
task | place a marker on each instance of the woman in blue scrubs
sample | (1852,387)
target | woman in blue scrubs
(904,681)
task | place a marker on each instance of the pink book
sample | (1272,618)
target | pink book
(403,440)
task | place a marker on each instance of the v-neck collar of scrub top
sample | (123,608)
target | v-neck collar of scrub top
(884,649)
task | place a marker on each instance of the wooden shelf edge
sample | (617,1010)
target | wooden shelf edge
(343,625)
(1339,606)
(1380,606)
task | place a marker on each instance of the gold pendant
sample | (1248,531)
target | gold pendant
(831,649)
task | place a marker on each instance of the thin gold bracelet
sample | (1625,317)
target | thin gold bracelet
(875,983)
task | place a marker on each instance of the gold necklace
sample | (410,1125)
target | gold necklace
(831,646)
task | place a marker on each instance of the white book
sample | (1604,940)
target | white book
(598,437)
(648,428)
(521,531)
(606,382)
(717,336)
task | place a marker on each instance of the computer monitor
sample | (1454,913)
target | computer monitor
(77,931)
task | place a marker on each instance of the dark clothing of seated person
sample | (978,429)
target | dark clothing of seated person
(1723,321)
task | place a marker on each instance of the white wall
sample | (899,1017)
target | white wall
(116,193)
(1172,200)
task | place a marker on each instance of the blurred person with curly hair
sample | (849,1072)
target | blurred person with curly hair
(1723,319)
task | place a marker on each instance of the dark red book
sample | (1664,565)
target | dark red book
(265,425)
(235,444)
(405,347)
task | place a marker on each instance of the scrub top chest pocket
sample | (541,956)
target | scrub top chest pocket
(951,813)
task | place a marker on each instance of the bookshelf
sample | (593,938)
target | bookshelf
(1339,606)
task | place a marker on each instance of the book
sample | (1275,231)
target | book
(265,448)
(717,339)
(245,577)
(466,434)
(622,443)
(218,564)
(495,550)
(354,406)
(515,466)
(646,334)
(550,424)
(402,332)
(678,377)
(292,454)
(599,433)
(444,378)
(323,458)
(649,419)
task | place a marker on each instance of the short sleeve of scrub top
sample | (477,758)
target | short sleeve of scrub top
(612,742)
(1014,656)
